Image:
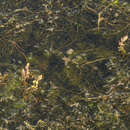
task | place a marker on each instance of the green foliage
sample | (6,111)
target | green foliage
(64,65)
